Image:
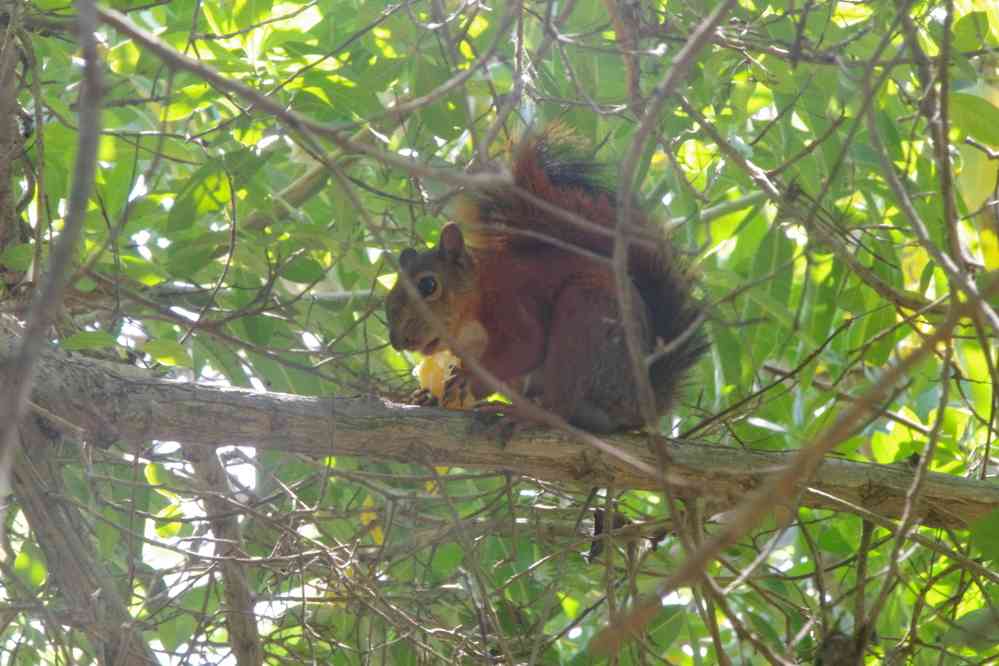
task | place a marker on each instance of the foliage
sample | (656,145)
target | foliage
(225,243)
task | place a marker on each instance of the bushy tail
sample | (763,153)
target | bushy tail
(561,198)
(676,319)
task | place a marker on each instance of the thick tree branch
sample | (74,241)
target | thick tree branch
(86,583)
(11,145)
(48,298)
(241,620)
(109,403)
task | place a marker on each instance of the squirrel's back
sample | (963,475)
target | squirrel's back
(559,199)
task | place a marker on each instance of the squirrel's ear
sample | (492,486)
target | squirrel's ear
(452,243)
(407,258)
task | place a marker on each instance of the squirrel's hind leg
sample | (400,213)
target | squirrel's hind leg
(588,378)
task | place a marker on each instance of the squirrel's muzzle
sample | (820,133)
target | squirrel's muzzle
(397,340)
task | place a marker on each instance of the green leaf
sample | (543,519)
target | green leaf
(978,630)
(206,191)
(260,328)
(88,340)
(165,527)
(30,566)
(189,100)
(179,627)
(667,627)
(142,271)
(122,58)
(447,558)
(285,378)
(303,269)
(18,257)
(985,535)
(188,258)
(225,360)
(445,116)
(976,117)
(971,31)
(168,352)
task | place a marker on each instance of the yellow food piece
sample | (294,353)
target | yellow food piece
(433,371)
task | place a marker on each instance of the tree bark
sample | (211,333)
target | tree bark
(92,594)
(106,402)
(241,620)
(11,143)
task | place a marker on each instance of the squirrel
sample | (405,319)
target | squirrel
(544,314)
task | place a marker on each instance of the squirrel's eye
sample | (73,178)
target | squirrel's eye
(427,285)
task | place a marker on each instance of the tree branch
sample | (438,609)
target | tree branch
(87,584)
(241,620)
(47,299)
(112,403)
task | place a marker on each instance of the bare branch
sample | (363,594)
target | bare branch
(129,405)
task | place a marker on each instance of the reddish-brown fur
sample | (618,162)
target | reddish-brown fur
(541,314)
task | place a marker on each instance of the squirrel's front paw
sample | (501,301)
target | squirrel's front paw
(457,390)
(424,398)
(494,420)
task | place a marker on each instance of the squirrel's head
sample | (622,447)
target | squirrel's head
(444,279)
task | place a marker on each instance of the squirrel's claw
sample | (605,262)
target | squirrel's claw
(457,390)
(489,422)
(424,398)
